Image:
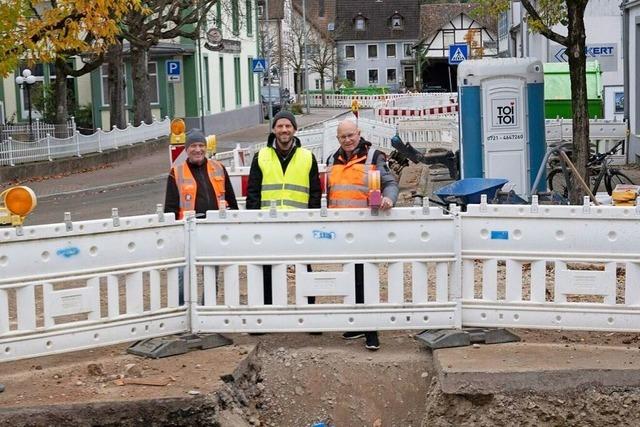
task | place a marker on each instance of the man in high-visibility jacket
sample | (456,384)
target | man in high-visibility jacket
(283,173)
(349,185)
(197,184)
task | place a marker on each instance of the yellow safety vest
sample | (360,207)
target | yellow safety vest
(289,190)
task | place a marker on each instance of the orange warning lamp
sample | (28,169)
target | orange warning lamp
(178,129)
(16,204)
(212,145)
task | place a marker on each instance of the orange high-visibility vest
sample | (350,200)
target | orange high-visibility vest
(349,183)
(187,187)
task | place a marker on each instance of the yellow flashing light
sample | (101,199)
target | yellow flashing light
(212,145)
(178,129)
(16,204)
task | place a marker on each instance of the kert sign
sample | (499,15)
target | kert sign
(174,71)
(259,65)
(458,52)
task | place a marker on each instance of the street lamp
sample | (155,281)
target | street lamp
(25,81)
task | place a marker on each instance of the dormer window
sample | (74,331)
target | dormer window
(360,22)
(397,21)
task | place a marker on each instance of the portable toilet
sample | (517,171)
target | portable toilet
(502,120)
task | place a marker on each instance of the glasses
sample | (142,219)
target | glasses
(347,136)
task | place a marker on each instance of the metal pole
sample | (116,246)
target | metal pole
(305,83)
(450,87)
(200,80)
(267,57)
(28,89)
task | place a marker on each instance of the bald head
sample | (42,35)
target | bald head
(348,136)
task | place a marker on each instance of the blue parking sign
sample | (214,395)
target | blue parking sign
(458,52)
(174,68)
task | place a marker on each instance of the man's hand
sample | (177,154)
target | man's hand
(386,203)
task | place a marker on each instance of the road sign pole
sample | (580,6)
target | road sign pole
(450,86)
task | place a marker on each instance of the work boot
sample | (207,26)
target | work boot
(372,343)
(352,335)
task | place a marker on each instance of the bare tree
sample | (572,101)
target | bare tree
(322,60)
(160,20)
(293,48)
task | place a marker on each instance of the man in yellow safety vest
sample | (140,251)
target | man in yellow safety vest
(283,173)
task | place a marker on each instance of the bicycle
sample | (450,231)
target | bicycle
(600,172)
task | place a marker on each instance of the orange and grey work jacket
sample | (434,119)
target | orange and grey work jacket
(187,186)
(348,183)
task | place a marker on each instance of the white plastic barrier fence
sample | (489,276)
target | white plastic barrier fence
(80,285)
(603,134)
(552,267)
(91,283)
(14,152)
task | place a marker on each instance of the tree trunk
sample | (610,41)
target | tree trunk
(324,97)
(60,96)
(116,94)
(577,72)
(140,77)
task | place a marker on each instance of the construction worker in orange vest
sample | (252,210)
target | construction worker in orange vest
(350,172)
(197,184)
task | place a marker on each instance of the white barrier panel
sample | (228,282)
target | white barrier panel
(414,249)
(80,285)
(555,267)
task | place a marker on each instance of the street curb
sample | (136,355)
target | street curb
(105,187)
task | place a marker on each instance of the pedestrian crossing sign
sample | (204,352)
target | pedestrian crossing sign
(457,53)
(259,65)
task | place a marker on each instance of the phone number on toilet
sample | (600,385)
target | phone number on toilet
(511,137)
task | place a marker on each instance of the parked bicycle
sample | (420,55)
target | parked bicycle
(600,172)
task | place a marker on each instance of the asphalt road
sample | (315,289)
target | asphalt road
(130,200)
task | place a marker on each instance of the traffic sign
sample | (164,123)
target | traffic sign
(174,71)
(458,52)
(259,65)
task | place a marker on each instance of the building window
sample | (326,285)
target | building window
(350,75)
(207,88)
(260,9)
(104,80)
(360,25)
(317,84)
(251,80)
(321,8)
(222,104)
(238,80)
(397,22)
(391,50)
(235,17)
(249,11)
(350,51)
(373,77)
(372,51)
(448,38)
(391,75)
(153,82)
(408,52)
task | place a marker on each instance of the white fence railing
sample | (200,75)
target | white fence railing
(85,284)
(14,152)
(441,133)
(38,130)
(374,101)
(603,135)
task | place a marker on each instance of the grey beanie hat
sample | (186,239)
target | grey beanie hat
(194,135)
(283,114)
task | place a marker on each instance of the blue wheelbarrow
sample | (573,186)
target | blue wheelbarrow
(470,190)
